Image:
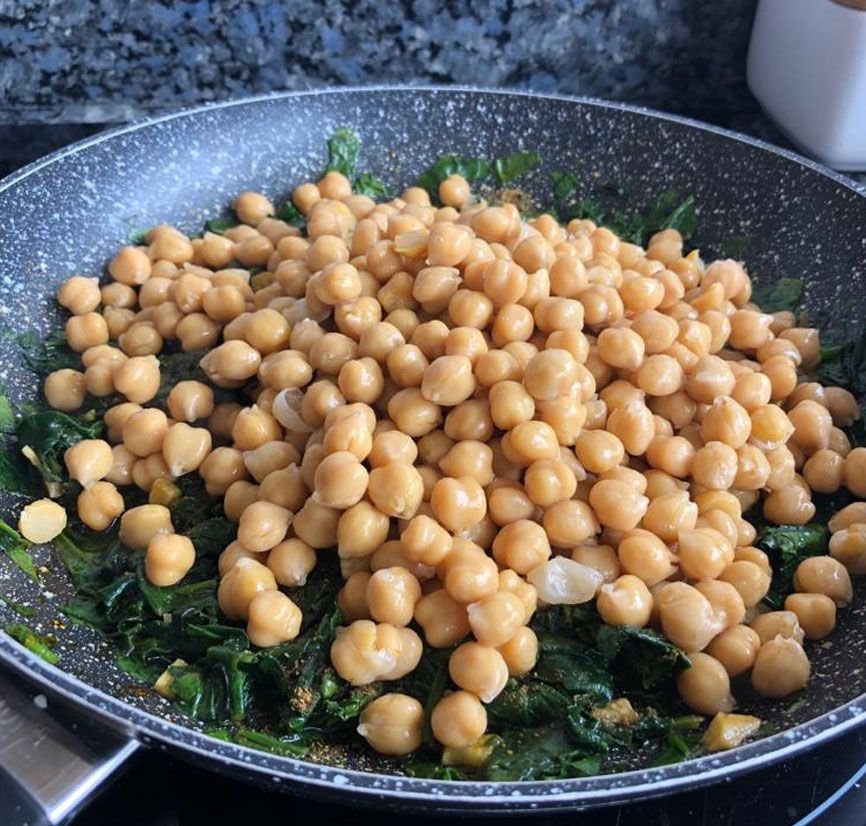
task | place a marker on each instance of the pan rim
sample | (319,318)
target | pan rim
(466,795)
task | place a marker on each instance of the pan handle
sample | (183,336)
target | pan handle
(51,761)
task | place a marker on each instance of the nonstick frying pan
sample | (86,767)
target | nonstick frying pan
(69,212)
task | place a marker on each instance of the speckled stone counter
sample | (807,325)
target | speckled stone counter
(95,61)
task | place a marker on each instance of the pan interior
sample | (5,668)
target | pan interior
(70,215)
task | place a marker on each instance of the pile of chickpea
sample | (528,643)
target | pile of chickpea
(481,415)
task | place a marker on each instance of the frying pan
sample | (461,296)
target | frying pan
(69,212)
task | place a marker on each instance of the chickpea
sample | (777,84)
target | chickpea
(478,669)
(495,619)
(254,427)
(508,504)
(726,421)
(625,601)
(392,594)
(444,620)
(457,504)
(599,451)
(130,266)
(816,615)
(138,378)
(570,522)
(241,584)
(140,524)
(168,559)
(365,652)
(360,530)
(412,413)
(392,724)
(752,390)
(396,489)
(65,390)
(842,405)
(340,480)
(750,579)
(645,556)
(617,504)
(392,446)
(687,617)
(736,649)
(316,524)
(824,471)
(855,472)
(42,520)
(706,686)
(789,506)
(847,516)
(812,425)
(99,505)
(781,668)
(621,347)
(469,458)
(774,624)
(669,514)
(824,575)
(715,466)
(848,546)
(273,618)
(469,574)
(520,652)
(88,461)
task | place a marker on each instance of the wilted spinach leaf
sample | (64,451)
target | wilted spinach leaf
(537,754)
(368,184)
(784,294)
(45,354)
(639,657)
(39,645)
(219,225)
(16,547)
(343,149)
(48,433)
(473,169)
(843,364)
(787,546)
(289,213)
(514,165)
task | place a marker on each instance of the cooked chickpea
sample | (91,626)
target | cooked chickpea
(88,461)
(273,618)
(736,649)
(479,669)
(855,472)
(392,724)
(617,504)
(444,620)
(65,390)
(458,720)
(131,266)
(824,575)
(240,585)
(706,686)
(457,504)
(495,619)
(625,601)
(168,559)
(138,378)
(365,652)
(645,556)
(687,617)
(99,505)
(571,522)
(42,520)
(781,668)
(816,614)
(520,652)
(140,524)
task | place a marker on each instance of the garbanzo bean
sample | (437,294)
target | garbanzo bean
(781,668)
(816,614)
(824,575)
(140,524)
(99,505)
(479,669)
(392,724)
(88,461)
(706,686)
(458,720)
(168,559)
(42,520)
(65,389)
(736,649)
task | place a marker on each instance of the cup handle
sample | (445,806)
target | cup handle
(52,757)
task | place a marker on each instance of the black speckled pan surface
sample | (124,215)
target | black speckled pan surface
(68,213)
